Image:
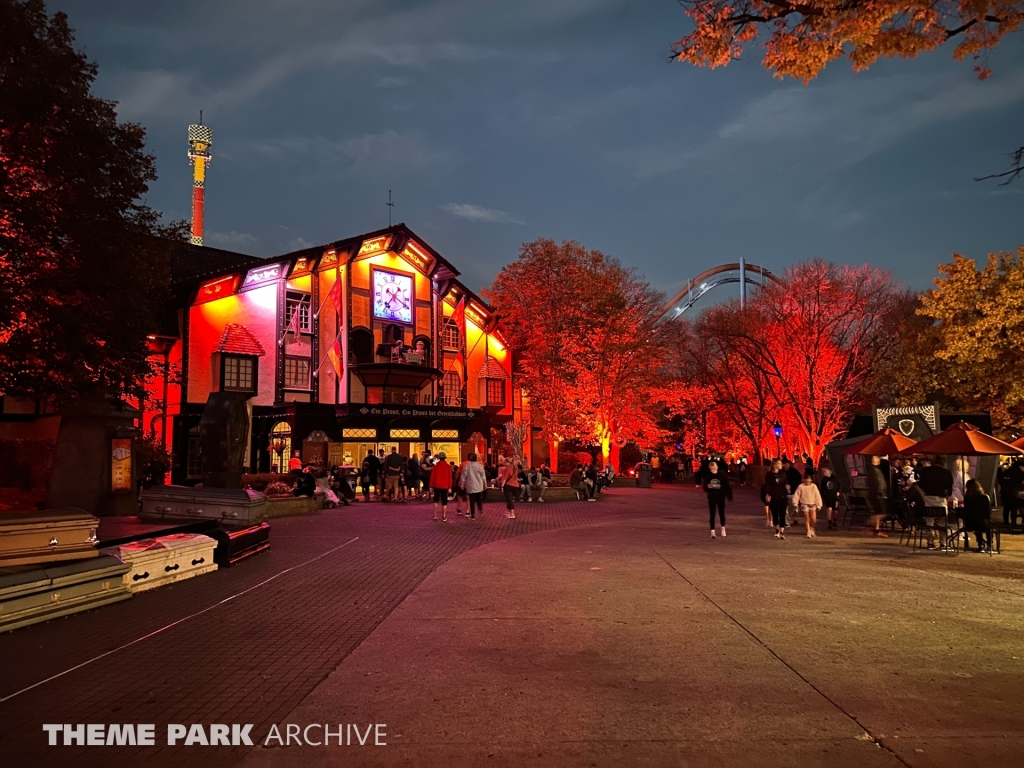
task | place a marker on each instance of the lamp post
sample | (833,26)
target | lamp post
(777,431)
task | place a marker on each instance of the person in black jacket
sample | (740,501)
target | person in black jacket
(777,495)
(716,486)
(977,515)
(829,487)
(878,496)
(793,479)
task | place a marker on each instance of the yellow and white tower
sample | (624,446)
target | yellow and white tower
(200,138)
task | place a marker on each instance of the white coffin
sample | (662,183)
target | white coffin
(155,562)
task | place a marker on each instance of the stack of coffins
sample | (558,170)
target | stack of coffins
(229,505)
(38,581)
(28,538)
(155,562)
(30,594)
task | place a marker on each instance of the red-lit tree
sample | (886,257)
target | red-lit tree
(585,332)
(802,352)
(81,274)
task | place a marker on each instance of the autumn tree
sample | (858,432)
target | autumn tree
(585,332)
(82,268)
(803,351)
(801,38)
(971,349)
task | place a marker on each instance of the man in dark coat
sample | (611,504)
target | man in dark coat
(793,479)
(878,495)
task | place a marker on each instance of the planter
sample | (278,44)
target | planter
(289,506)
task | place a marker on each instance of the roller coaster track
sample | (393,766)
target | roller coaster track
(737,272)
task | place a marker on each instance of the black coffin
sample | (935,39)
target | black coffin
(235,544)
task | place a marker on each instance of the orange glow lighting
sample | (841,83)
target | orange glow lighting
(214,289)
(375,245)
(416,256)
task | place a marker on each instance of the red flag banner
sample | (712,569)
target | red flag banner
(334,353)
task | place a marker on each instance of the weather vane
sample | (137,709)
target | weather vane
(390,206)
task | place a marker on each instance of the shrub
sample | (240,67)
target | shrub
(278,489)
(567,461)
(259,481)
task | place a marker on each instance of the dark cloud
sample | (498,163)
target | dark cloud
(563,120)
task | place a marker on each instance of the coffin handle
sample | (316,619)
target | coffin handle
(200,561)
(139,576)
(170,568)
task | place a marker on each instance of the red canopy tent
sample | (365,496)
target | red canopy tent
(963,439)
(882,443)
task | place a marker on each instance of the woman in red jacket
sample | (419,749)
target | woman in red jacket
(440,484)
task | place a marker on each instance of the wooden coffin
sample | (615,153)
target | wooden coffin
(155,562)
(237,544)
(33,538)
(31,595)
(178,502)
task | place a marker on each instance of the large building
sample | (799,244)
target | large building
(346,348)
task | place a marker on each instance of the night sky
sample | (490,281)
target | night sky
(495,123)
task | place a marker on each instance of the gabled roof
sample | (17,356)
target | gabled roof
(492,369)
(350,245)
(238,340)
(195,262)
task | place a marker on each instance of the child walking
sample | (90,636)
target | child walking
(829,487)
(716,486)
(807,499)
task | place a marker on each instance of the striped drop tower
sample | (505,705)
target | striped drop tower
(200,137)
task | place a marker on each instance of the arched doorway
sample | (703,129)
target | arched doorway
(280,446)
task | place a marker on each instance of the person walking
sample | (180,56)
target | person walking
(793,479)
(440,485)
(742,471)
(878,496)
(777,495)
(508,481)
(808,500)
(413,475)
(473,481)
(461,497)
(828,486)
(716,486)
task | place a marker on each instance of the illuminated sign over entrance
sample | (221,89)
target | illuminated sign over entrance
(262,275)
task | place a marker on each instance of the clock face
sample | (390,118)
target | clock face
(392,296)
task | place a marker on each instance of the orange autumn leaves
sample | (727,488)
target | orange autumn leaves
(801,38)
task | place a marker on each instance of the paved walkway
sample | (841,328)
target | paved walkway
(610,634)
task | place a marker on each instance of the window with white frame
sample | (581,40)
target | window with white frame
(296,373)
(299,302)
(239,373)
(450,336)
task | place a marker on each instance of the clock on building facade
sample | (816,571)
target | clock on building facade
(392,296)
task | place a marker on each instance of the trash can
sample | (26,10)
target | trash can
(643,475)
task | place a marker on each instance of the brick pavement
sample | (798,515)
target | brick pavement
(310,602)
(253,658)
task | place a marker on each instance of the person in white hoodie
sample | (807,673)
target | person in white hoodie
(473,480)
(807,499)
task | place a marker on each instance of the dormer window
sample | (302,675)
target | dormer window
(238,373)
